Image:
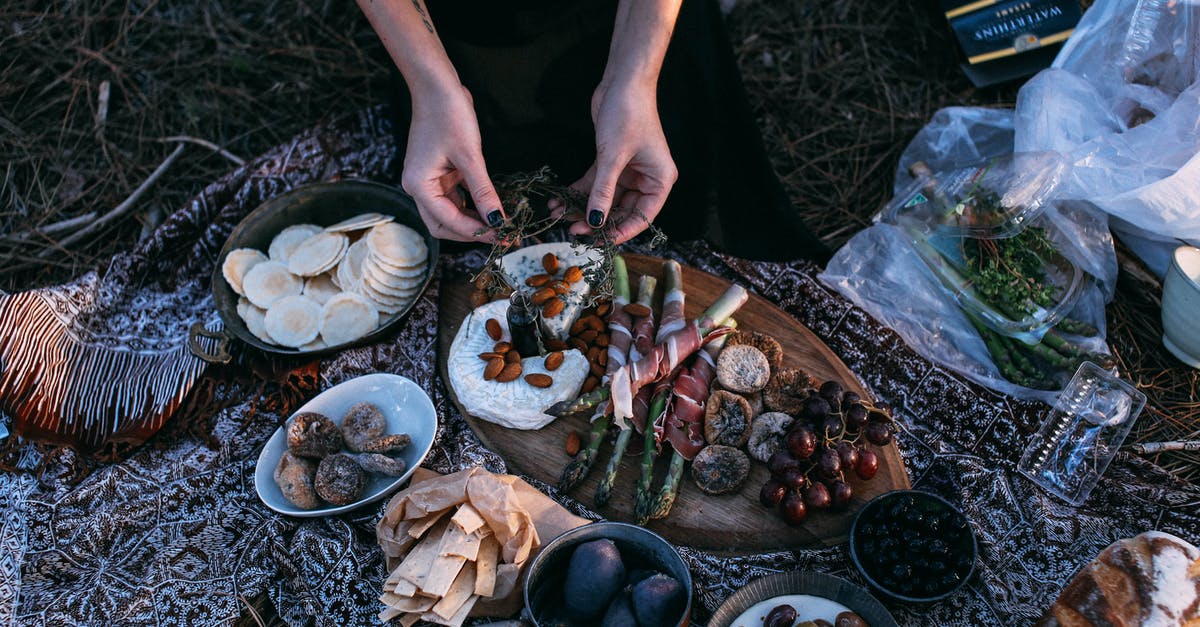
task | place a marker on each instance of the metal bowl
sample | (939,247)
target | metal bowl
(639,547)
(322,204)
(928,502)
(803,582)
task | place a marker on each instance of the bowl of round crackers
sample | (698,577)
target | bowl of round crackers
(318,269)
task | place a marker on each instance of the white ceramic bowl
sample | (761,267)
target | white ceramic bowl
(1181,306)
(407,409)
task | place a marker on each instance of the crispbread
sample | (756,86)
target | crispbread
(294,321)
(243,304)
(397,244)
(237,263)
(398,288)
(386,275)
(285,243)
(269,281)
(318,254)
(349,269)
(347,317)
(361,221)
(254,319)
(396,269)
(320,288)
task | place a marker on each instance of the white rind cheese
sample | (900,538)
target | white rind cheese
(522,264)
(514,404)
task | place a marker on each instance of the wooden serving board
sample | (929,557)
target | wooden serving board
(732,523)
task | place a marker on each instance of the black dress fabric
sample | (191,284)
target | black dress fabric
(532,66)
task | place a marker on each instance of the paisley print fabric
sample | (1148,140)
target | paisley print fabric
(175,535)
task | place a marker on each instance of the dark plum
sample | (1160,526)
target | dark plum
(801,442)
(594,574)
(620,613)
(638,574)
(780,616)
(658,601)
(771,493)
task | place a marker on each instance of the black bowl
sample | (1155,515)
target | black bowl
(322,204)
(961,547)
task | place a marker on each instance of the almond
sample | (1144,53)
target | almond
(501,295)
(579,327)
(588,336)
(493,368)
(553,360)
(602,340)
(590,384)
(637,310)
(560,287)
(552,308)
(539,380)
(593,353)
(490,356)
(483,281)
(510,372)
(550,263)
(603,358)
(578,343)
(596,369)
(555,344)
(501,347)
(479,298)
(594,323)
(493,328)
(541,296)
(603,308)
(573,443)
(512,357)
(574,274)
(538,280)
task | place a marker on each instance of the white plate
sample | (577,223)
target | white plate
(808,607)
(407,409)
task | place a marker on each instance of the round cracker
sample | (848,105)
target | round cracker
(396,277)
(391,286)
(237,263)
(393,268)
(294,321)
(243,304)
(269,281)
(255,319)
(361,221)
(349,269)
(347,317)
(397,244)
(285,243)
(314,345)
(320,288)
(318,254)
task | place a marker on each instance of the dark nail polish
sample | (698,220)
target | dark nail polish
(595,218)
(495,218)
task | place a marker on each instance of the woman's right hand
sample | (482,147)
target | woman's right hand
(444,152)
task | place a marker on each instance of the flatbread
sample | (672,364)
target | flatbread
(320,288)
(318,254)
(397,244)
(347,317)
(237,263)
(270,281)
(391,283)
(294,321)
(361,221)
(255,320)
(349,269)
(285,243)
(415,269)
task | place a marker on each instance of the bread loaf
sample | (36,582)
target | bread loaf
(1150,580)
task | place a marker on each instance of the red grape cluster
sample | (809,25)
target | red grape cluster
(823,445)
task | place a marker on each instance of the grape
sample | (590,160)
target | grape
(793,478)
(817,496)
(781,462)
(829,462)
(841,493)
(793,509)
(832,427)
(815,408)
(867,466)
(849,454)
(849,399)
(801,442)
(772,493)
(856,417)
(832,392)
(878,433)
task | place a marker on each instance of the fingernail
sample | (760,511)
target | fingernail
(495,218)
(595,218)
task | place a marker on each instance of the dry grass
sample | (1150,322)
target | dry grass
(839,88)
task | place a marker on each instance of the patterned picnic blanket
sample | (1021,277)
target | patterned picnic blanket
(174,533)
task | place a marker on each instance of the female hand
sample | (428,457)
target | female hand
(444,152)
(633,171)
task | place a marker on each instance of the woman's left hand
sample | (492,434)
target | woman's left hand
(633,171)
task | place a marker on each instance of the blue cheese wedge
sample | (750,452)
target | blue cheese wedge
(526,262)
(513,404)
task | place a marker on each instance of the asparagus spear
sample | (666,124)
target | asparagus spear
(658,405)
(646,287)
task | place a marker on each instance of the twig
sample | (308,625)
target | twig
(53,227)
(207,144)
(1149,448)
(120,209)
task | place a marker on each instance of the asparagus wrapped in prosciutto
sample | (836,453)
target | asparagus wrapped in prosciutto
(620,340)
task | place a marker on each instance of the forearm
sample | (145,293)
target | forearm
(406,30)
(640,36)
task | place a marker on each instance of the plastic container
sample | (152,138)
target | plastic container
(1082,433)
(984,234)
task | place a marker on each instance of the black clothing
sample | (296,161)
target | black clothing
(532,66)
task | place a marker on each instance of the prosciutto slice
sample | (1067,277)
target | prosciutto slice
(653,366)
(683,423)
